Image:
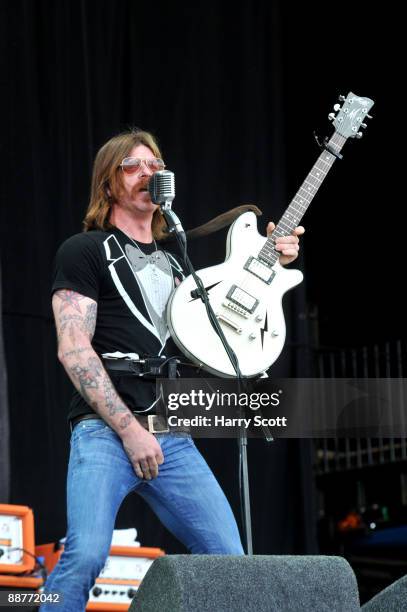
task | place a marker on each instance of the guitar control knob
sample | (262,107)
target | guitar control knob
(274,333)
(252,336)
(131,593)
(96,591)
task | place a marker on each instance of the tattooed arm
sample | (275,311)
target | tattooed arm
(75,318)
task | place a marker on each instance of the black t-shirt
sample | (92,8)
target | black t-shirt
(131,283)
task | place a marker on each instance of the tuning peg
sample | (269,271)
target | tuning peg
(363,125)
(331,116)
(359,135)
(342,98)
(369,117)
(337,107)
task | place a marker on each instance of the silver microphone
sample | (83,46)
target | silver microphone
(162,191)
(162,188)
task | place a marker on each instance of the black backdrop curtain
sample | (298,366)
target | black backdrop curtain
(215,86)
(4,419)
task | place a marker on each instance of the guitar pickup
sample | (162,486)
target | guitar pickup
(259,269)
(242,299)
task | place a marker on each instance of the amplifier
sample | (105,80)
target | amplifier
(119,579)
(14,589)
(121,576)
(16,539)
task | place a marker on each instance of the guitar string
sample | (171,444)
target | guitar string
(247,280)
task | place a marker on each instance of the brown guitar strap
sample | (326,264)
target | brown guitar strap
(217,223)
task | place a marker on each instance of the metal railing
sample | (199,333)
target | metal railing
(387,360)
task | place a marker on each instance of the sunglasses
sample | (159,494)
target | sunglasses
(130,165)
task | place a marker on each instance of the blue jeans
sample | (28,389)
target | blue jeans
(185,496)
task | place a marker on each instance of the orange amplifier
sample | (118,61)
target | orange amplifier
(16,539)
(21,583)
(120,578)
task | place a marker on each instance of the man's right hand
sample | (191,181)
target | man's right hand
(143,450)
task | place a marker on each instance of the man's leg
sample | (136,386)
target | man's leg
(99,477)
(189,501)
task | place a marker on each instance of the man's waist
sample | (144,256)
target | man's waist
(149,367)
(154,423)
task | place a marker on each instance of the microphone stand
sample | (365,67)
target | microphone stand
(175,227)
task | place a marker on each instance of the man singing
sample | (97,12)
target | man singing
(110,289)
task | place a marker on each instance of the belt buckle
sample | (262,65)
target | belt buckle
(151,424)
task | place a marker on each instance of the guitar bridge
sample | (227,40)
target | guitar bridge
(229,323)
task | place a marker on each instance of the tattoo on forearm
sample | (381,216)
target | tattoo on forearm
(87,376)
(125,421)
(85,379)
(78,350)
(69,298)
(89,322)
(113,406)
(92,376)
(95,366)
(108,390)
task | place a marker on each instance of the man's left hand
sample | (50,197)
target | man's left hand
(287,245)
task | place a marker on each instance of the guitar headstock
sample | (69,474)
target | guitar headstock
(351,115)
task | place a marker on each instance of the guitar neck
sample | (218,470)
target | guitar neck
(303,198)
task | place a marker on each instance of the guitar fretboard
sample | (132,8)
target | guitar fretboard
(302,199)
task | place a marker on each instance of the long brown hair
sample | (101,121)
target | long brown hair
(107,181)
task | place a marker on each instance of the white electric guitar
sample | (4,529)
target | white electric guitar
(246,290)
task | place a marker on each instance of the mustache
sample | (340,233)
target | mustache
(140,187)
